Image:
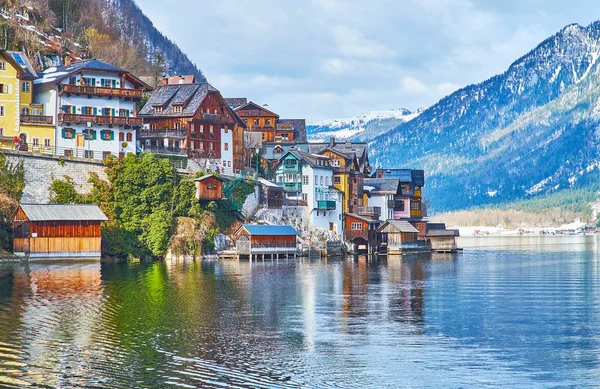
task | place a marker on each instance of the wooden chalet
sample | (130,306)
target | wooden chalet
(440,239)
(58,231)
(361,231)
(209,188)
(265,241)
(192,120)
(260,119)
(399,237)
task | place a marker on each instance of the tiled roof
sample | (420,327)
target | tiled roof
(262,230)
(187,79)
(364,218)
(268,150)
(443,233)
(21,59)
(401,226)
(191,95)
(299,127)
(253,106)
(209,176)
(235,102)
(63,212)
(383,185)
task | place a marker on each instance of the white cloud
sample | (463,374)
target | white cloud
(329,58)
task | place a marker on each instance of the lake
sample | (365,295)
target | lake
(508,312)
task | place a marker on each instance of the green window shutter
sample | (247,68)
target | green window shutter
(93,82)
(64,108)
(114,112)
(93,135)
(64,133)
(112,135)
(95,111)
(114,83)
(127,112)
(73,110)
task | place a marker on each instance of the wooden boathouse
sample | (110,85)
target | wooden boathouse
(441,239)
(265,242)
(58,231)
(399,237)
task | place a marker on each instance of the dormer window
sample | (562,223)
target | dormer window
(278,150)
(178,108)
(158,109)
(2,65)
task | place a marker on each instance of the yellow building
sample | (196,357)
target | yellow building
(10,75)
(36,130)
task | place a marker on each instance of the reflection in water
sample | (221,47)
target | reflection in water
(526,317)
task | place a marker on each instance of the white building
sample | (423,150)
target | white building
(307,180)
(227,151)
(94,106)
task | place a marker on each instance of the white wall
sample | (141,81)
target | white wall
(227,155)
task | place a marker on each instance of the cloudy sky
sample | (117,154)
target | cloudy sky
(319,59)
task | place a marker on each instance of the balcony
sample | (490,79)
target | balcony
(373,212)
(133,94)
(325,205)
(108,120)
(174,134)
(415,213)
(214,118)
(396,205)
(182,151)
(37,119)
(292,187)
(291,168)
(417,192)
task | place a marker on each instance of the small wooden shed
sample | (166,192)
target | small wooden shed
(209,188)
(271,241)
(58,231)
(442,240)
(398,236)
(271,194)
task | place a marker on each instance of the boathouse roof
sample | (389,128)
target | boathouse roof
(63,212)
(398,226)
(262,230)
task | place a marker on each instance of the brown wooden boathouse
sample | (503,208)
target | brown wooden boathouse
(58,231)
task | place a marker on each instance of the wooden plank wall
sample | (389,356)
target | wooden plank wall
(66,229)
(65,245)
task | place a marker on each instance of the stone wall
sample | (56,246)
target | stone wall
(41,170)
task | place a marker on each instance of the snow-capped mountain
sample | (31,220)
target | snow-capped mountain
(532,130)
(362,127)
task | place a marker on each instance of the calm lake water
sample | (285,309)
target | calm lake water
(508,312)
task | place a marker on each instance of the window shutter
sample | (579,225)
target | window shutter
(114,112)
(93,135)
(64,108)
(114,83)
(64,133)
(73,110)
(127,112)
(112,135)
(95,111)
(93,82)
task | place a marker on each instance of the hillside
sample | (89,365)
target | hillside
(116,31)
(530,131)
(362,127)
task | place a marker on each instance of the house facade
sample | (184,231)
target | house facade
(193,120)
(258,119)
(94,107)
(10,88)
(307,180)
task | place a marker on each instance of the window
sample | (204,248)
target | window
(263,136)
(326,181)
(25,111)
(26,87)
(305,196)
(106,135)
(108,83)
(1,110)
(321,181)
(105,154)
(89,134)
(2,65)
(35,141)
(304,180)
(68,133)
(68,153)
(335,162)
(36,112)
(278,150)
(89,154)
(268,122)
(129,137)
(215,111)
(121,137)
(177,125)
(73,80)
(89,81)
(212,131)
(3,88)
(1,131)
(158,109)
(178,108)
(357,226)
(106,111)
(88,111)
(256,122)
(47,142)
(226,146)
(316,179)
(228,163)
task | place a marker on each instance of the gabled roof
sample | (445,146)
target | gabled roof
(57,74)
(432,233)
(262,230)
(10,59)
(383,185)
(166,96)
(252,105)
(21,59)
(63,212)
(310,160)
(185,79)
(399,225)
(416,177)
(358,150)
(268,149)
(364,218)
(209,176)
(298,126)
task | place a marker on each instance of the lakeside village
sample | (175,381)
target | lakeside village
(324,195)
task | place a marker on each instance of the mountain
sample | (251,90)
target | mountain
(531,131)
(362,127)
(116,31)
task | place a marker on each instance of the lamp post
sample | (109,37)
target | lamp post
(89,137)
(257,151)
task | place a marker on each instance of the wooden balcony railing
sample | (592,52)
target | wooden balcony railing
(326,205)
(36,119)
(102,91)
(109,120)
(179,134)
(374,212)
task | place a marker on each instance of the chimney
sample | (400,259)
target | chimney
(266,105)
(164,81)
(68,61)
(332,141)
